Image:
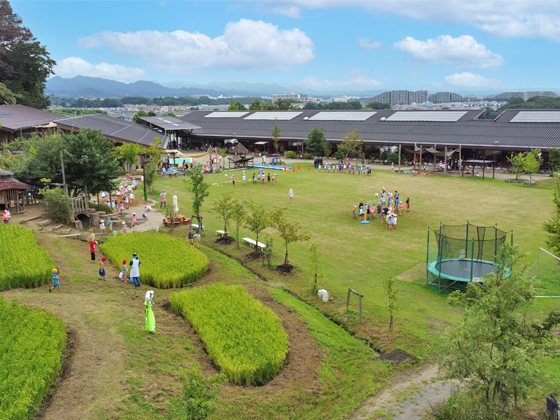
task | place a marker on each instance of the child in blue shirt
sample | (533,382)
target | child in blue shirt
(55,280)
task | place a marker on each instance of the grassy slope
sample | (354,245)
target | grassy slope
(362,256)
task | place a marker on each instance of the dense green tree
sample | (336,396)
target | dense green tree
(111,103)
(316,142)
(552,226)
(237,106)
(312,106)
(554,158)
(136,100)
(7,97)
(256,105)
(136,117)
(129,153)
(378,105)
(493,351)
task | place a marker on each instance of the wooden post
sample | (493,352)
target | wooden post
(420,164)
(348,300)
(461,160)
(399,171)
(484,164)
(445,161)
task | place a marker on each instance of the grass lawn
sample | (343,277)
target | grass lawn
(362,256)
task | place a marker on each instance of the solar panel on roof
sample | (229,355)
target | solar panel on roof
(445,116)
(281,116)
(536,117)
(226,114)
(341,116)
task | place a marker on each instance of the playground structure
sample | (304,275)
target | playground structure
(457,255)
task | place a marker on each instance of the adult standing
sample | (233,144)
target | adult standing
(163,199)
(135,265)
(91,241)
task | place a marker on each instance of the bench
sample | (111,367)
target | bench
(167,222)
(221,232)
(195,225)
(252,243)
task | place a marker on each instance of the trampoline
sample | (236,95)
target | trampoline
(458,255)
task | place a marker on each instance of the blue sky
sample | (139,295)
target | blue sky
(344,45)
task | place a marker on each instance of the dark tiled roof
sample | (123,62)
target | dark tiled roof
(115,128)
(9,183)
(20,117)
(169,123)
(467,131)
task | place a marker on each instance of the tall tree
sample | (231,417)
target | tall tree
(531,164)
(129,153)
(316,141)
(290,231)
(552,226)
(276,136)
(136,117)
(492,352)
(554,158)
(351,144)
(257,220)
(256,105)
(315,260)
(239,214)
(199,188)
(7,97)
(25,64)
(225,207)
(517,162)
(237,106)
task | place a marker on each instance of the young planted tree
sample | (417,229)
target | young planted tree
(129,153)
(552,226)
(531,164)
(351,144)
(199,188)
(238,215)
(392,293)
(516,163)
(256,221)
(224,207)
(276,137)
(289,232)
(492,352)
(315,260)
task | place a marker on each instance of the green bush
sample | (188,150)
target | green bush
(307,155)
(101,207)
(167,261)
(58,204)
(23,262)
(393,158)
(30,357)
(339,155)
(242,336)
(290,154)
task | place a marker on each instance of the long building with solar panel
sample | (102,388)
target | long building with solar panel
(513,130)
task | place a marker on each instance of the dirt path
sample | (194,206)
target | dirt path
(408,398)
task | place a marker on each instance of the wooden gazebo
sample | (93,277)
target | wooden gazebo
(12,192)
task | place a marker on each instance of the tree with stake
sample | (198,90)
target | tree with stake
(238,215)
(224,207)
(351,144)
(531,164)
(552,226)
(315,265)
(257,220)
(289,232)
(392,293)
(199,189)
(494,348)
(276,136)
(517,163)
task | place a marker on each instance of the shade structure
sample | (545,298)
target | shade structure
(462,254)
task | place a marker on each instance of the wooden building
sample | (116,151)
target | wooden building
(13,194)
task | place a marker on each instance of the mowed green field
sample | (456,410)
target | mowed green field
(362,256)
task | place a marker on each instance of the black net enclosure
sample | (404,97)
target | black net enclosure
(461,254)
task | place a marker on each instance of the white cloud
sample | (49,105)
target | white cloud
(286,10)
(368,44)
(470,80)
(463,51)
(244,44)
(354,79)
(501,18)
(74,66)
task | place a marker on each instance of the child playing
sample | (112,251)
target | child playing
(354,212)
(268,178)
(55,280)
(190,237)
(121,208)
(197,238)
(133,220)
(254,179)
(131,197)
(126,201)
(244,177)
(124,228)
(102,268)
(275,179)
(408,203)
(400,208)
(145,216)
(378,208)
(102,226)
(124,270)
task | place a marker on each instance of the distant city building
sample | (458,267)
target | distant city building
(441,97)
(400,97)
(294,98)
(340,99)
(524,95)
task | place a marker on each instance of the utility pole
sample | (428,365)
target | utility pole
(63,175)
(144,175)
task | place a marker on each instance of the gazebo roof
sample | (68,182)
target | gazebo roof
(240,149)
(9,183)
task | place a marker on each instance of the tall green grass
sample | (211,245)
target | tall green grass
(242,336)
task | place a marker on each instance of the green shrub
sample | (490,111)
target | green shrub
(393,158)
(23,263)
(101,207)
(339,155)
(58,204)
(166,261)
(30,357)
(242,336)
(307,155)
(290,154)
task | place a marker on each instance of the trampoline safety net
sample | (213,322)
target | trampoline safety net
(461,254)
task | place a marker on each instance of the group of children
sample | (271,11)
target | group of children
(345,168)
(388,208)
(261,177)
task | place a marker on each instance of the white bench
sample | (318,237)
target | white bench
(221,232)
(195,225)
(253,243)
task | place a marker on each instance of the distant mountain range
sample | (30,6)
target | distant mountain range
(97,87)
